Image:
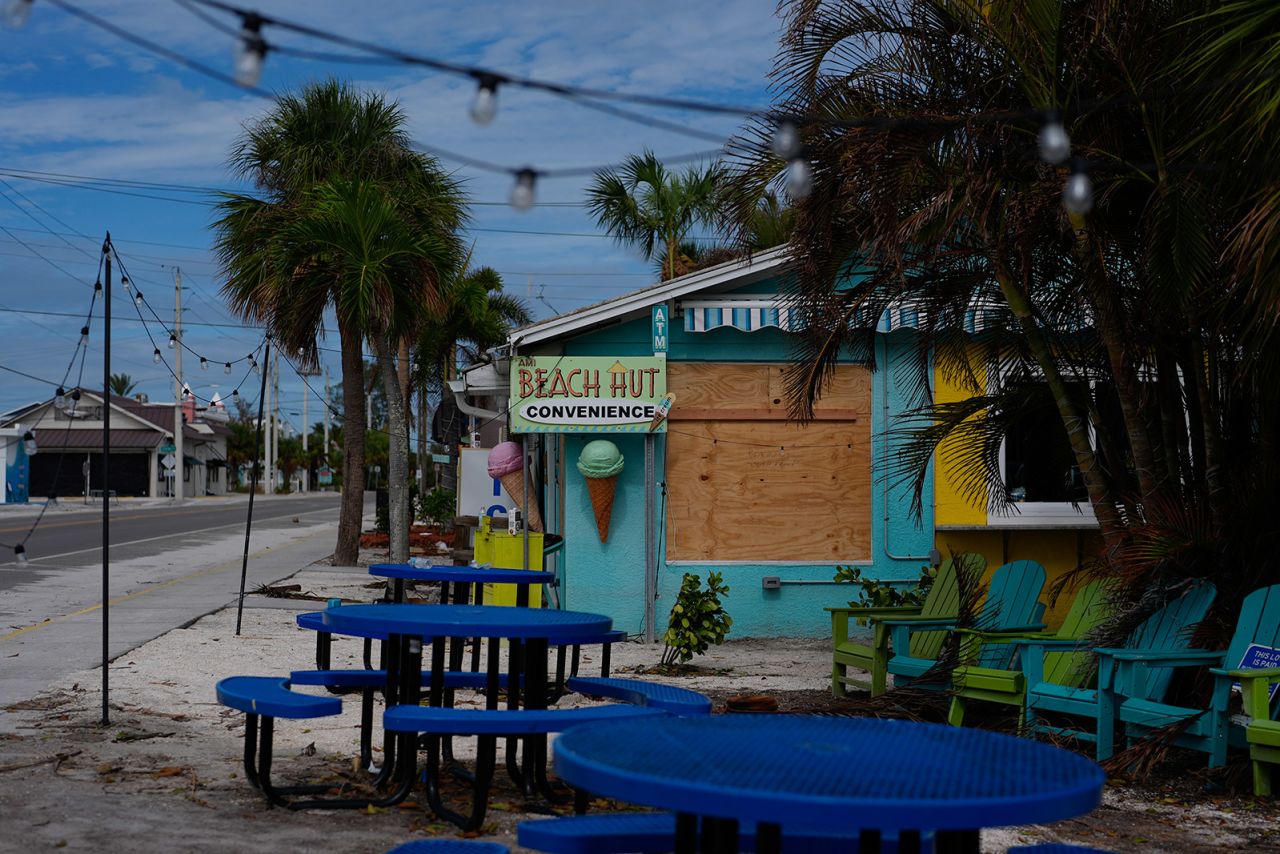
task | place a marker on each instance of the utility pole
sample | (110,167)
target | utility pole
(275,400)
(268,472)
(178,466)
(306,464)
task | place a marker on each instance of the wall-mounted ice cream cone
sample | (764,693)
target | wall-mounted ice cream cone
(600,463)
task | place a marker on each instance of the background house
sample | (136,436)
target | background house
(69,459)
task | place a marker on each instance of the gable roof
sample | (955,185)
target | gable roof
(742,271)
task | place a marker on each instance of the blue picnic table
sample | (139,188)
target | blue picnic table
(409,628)
(857,776)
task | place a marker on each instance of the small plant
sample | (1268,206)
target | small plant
(697,620)
(881,594)
(437,505)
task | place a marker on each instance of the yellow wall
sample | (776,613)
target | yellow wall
(950,507)
(1057,551)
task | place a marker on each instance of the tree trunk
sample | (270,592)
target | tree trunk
(397,453)
(351,512)
(1110,525)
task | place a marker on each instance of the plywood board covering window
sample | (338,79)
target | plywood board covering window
(733,495)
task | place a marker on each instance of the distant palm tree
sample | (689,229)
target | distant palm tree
(643,204)
(122,385)
(327,133)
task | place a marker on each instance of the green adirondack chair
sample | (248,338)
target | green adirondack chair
(1262,731)
(1012,605)
(1168,629)
(942,601)
(1256,640)
(970,681)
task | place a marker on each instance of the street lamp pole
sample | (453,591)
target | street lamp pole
(178,420)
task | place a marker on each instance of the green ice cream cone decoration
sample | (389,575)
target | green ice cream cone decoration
(600,463)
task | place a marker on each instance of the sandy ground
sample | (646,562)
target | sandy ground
(165,774)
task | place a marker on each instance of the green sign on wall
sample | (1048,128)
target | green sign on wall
(587,394)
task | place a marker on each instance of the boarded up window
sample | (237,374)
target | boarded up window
(733,495)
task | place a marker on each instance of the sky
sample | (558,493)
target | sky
(76,100)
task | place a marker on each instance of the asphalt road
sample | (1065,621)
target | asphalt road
(72,539)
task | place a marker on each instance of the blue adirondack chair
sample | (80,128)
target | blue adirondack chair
(1255,643)
(1012,605)
(1167,630)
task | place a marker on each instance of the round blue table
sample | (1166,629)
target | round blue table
(528,630)
(823,773)
(461,579)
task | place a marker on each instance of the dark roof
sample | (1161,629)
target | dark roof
(80,439)
(159,414)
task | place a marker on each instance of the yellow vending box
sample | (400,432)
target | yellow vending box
(506,551)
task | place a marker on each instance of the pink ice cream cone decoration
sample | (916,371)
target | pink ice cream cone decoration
(506,464)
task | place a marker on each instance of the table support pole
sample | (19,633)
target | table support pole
(869,842)
(909,842)
(768,838)
(686,833)
(958,842)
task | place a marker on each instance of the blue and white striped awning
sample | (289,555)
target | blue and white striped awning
(746,314)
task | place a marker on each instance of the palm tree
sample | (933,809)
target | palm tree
(1157,306)
(327,132)
(387,256)
(643,204)
(122,385)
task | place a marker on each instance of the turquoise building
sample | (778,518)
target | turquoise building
(737,488)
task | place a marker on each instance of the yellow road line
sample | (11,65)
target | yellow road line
(134,595)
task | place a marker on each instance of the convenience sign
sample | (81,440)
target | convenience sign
(587,394)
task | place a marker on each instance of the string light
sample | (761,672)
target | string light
(226,368)
(124,282)
(173,341)
(137,298)
(17,12)
(786,140)
(235,392)
(84,335)
(20,554)
(522,195)
(60,398)
(1077,195)
(485,105)
(251,52)
(155,357)
(1055,145)
(29,443)
(75,398)
(799,179)
(204,363)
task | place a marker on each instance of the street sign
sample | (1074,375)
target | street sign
(325,475)
(168,448)
(168,460)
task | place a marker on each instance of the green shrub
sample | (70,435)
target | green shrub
(437,505)
(881,594)
(697,619)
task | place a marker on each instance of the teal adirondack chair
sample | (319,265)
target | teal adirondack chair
(970,681)
(942,602)
(1168,629)
(1012,605)
(1121,672)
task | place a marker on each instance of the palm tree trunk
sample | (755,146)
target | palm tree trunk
(397,452)
(351,512)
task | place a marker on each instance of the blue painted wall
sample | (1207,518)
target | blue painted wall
(609,578)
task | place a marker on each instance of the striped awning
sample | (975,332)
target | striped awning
(746,314)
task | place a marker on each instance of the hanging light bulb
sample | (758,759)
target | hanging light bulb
(124,282)
(786,140)
(799,178)
(60,398)
(1077,195)
(1055,145)
(155,357)
(20,554)
(16,13)
(84,335)
(226,369)
(204,363)
(97,286)
(485,105)
(29,443)
(75,398)
(251,52)
(235,392)
(137,298)
(173,341)
(522,193)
